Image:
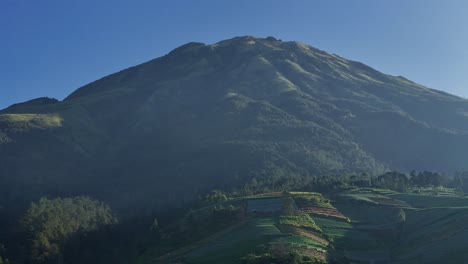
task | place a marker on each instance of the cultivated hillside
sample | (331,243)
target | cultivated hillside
(359,225)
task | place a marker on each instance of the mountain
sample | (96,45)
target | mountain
(241,111)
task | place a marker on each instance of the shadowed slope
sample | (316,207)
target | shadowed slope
(218,115)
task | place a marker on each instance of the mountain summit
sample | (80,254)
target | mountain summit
(224,115)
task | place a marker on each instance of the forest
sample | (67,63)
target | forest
(85,230)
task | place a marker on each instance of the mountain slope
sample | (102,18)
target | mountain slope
(206,116)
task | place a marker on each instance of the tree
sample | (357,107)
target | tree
(401,220)
(401,217)
(458,183)
(50,223)
(216,196)
(154,226)
(288,206)
(394,181)
(428,179)
(2,253)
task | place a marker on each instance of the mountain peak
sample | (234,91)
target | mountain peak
(187,46)
(222,114)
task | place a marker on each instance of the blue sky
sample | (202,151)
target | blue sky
(52,47)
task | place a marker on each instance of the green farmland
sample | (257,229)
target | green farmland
(378,225)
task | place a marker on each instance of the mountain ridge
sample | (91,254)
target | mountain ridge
(221,115)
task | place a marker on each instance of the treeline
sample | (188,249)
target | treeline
(392,180)
(84,230)
(402,182)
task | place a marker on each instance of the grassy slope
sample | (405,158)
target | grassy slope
(235,244)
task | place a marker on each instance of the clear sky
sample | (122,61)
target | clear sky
(52,47)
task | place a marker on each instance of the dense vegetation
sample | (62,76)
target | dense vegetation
(51,223)
(83,230)
(245,116)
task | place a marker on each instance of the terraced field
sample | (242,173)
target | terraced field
(361,225)
(432,201)
(433,232)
